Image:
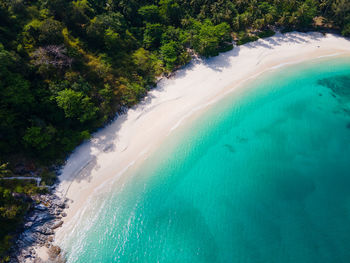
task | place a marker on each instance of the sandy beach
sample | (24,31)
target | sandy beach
(132,136)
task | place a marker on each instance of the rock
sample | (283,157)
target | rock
(41,207)
(61,203)
(28,237)
(32,218)
(44,230)
(54,252)
(26,254)
(58,203)
(43,217)
(57,225)
(28,224)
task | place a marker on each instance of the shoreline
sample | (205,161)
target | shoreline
(133,136)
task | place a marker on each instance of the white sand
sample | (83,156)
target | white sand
(129,138)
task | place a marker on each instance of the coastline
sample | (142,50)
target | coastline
(134,135)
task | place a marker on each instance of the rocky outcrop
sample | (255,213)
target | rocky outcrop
(39,228)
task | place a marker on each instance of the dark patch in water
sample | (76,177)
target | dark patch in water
(294,186)
(320,94)
(348,126)
(347,111)
(230,148)
(339,85)
(193,225)
(241,139)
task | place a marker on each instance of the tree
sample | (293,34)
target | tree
(80,12)
(50,32)
(242,21)
(14,89)
(152,35)
(341,11)
(112,40)
(76,105)
(219,11)
(171,11)
(169,52)
(305,13)
(113,21)
(39,138)
(346,30)
(52,55)
(210,38)
(147,64)
(150,13)
(4,171)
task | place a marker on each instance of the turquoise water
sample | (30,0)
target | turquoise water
(262,176)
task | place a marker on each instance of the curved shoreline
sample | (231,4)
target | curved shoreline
(115,148)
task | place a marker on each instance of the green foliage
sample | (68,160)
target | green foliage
(266,33)
(4,171)
(152,35)
(50,32)
(150,13)
(38,138)
(169,52)
(244,38)
(48,177)
(76,105)
(148,65)
(341,11)
(211,38)
(242,21)
(112,39)
(171,11)
(96,29)
(12,210)
(346,30)
(305,13)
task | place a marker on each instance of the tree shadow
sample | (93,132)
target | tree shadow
(278,39)
(222,61)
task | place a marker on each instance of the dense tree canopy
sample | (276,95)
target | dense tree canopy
(66,67)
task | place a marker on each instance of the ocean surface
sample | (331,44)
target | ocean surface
(262,176)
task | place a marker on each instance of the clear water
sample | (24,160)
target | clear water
(262,176)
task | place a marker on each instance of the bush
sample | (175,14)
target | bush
(346,30)
(266,33)
(244,38)
(209,39)
(48,177)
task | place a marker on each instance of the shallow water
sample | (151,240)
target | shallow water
(262,176)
